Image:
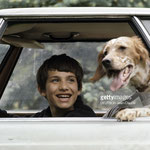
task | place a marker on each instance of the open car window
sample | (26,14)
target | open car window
(80,39)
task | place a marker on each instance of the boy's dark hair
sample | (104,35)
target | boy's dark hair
(61,63)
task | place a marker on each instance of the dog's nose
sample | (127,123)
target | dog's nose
(106,63)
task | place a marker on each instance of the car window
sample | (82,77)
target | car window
(3,50)
(146,23)
(21,92)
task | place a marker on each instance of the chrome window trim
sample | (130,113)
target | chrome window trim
(142,30)
(3,25)
(75,11)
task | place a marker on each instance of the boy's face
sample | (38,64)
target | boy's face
(61,90)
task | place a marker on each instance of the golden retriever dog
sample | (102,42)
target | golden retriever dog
(125,60)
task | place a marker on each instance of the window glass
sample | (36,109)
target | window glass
(21,92)
(3,50)
(146,23)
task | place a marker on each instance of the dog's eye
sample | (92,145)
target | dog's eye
(105,53)
(122,47)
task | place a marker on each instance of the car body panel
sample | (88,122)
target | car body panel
(76,133)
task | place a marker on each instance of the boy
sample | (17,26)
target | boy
(59,80)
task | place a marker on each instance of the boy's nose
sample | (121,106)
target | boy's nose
(63,86)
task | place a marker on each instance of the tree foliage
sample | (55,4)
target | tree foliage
(73,3)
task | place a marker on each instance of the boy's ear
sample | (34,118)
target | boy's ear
(79,92)
(42,92)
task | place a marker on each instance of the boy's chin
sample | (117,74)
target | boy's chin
(66,107)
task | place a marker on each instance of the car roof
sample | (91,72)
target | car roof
(71,11)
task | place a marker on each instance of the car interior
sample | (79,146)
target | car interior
(27,34)
(23,34)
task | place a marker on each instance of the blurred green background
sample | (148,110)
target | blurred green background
(73,3)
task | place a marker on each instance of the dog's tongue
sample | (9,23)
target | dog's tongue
(120,79)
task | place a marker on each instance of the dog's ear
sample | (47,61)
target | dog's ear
(141,49)
(100,72)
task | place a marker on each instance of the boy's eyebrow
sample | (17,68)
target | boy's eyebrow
(72,76)
(53,77)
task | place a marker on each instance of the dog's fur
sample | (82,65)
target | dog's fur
(126,60)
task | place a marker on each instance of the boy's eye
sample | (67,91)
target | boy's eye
(55,80)
(72,80)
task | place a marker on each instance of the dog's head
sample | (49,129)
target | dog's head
(122,59)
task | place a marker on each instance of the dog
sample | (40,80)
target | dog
(125,60)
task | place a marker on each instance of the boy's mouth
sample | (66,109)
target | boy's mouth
(63,95)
